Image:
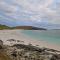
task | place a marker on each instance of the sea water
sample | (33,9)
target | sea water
(51,36)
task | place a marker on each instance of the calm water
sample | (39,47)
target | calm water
(51,36)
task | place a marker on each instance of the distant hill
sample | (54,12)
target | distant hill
(29,28)
(21,27)
(55,29)
(37,28)
(4,27)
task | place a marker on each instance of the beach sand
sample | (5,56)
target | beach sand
(17,35)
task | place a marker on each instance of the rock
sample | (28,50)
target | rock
(1,42)
(30,52)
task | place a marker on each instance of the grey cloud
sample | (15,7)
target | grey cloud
(31,10)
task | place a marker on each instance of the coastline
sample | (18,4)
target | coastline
(17,35)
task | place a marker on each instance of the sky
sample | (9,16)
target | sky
(44,13)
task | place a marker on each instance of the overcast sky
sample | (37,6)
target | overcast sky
(29,12)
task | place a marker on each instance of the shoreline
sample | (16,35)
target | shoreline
(14,34)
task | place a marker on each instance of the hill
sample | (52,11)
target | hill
(37,28)
(21,27)
(4,27)
(29,28)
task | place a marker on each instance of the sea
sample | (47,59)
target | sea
(51,36)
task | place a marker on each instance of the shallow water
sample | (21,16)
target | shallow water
(51,36)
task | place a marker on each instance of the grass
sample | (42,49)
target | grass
(5,27)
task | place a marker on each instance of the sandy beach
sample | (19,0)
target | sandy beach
(17,35)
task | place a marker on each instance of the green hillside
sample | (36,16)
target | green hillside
(4,27)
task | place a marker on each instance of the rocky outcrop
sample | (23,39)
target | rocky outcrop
(29,52)
(1,44)
(3,54)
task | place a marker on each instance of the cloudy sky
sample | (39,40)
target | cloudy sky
(45,13)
